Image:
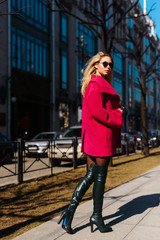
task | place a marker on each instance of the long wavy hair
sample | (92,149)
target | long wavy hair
(91,70)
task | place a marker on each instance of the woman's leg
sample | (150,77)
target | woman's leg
(102,161)
(79,192)
(90,161)
(100,174)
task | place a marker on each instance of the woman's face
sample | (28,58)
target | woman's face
(104,67)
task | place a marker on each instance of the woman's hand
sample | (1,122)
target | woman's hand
(121,110)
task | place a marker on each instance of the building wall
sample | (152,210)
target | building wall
(30,71)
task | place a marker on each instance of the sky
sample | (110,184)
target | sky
(155,14)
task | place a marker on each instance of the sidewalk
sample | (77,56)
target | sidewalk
(132,209)
(32,174)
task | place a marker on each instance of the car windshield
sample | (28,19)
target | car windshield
(45,136)
(151,134)
(73,132)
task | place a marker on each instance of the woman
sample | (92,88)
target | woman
(101,127)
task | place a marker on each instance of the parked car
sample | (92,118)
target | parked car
(62,148)
(6,149)
(40,143)
(152,138)
(126,141)
(137,136)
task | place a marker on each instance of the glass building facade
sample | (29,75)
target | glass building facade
(64,51)
(64,28)
(136,75)
(86,45)
(118,62)
(117,85)
(33,12)
(64,69)
(30,67)
(29,53)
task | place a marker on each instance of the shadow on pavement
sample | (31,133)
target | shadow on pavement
(132,208)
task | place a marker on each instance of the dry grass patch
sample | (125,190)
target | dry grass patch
(34,202)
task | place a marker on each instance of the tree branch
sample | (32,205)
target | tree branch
(3,1)
(15,13)
(123,15)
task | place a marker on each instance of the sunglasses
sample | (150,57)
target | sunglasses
(105,64)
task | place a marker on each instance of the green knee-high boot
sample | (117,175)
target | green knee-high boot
(98,192)
(79,192)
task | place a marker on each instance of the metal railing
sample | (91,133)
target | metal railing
(55,152)
(8,156)
(20,152)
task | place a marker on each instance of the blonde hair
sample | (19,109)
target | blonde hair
(90,70)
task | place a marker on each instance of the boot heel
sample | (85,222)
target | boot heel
(61,217)
(91,227)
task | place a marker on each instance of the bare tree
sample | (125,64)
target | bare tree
(95,14)
(137,36)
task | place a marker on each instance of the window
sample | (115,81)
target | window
(130,26)
(117,85)
(79,72)
(64,28)
(107,21)
(146,42)
(86,49)
(151,85)
(29,54)
(147,100)
(19,50)
(88,46)
(130,23)
(130,45)
(129,71)
(151,98)
(147,50)
(36,59)
(23,42)
(147,58)
(136,75)
(137,94)
(14,3)
(118,62)
(64,70)
(14,50)
(34,12)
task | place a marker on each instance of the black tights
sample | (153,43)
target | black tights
(101,161)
